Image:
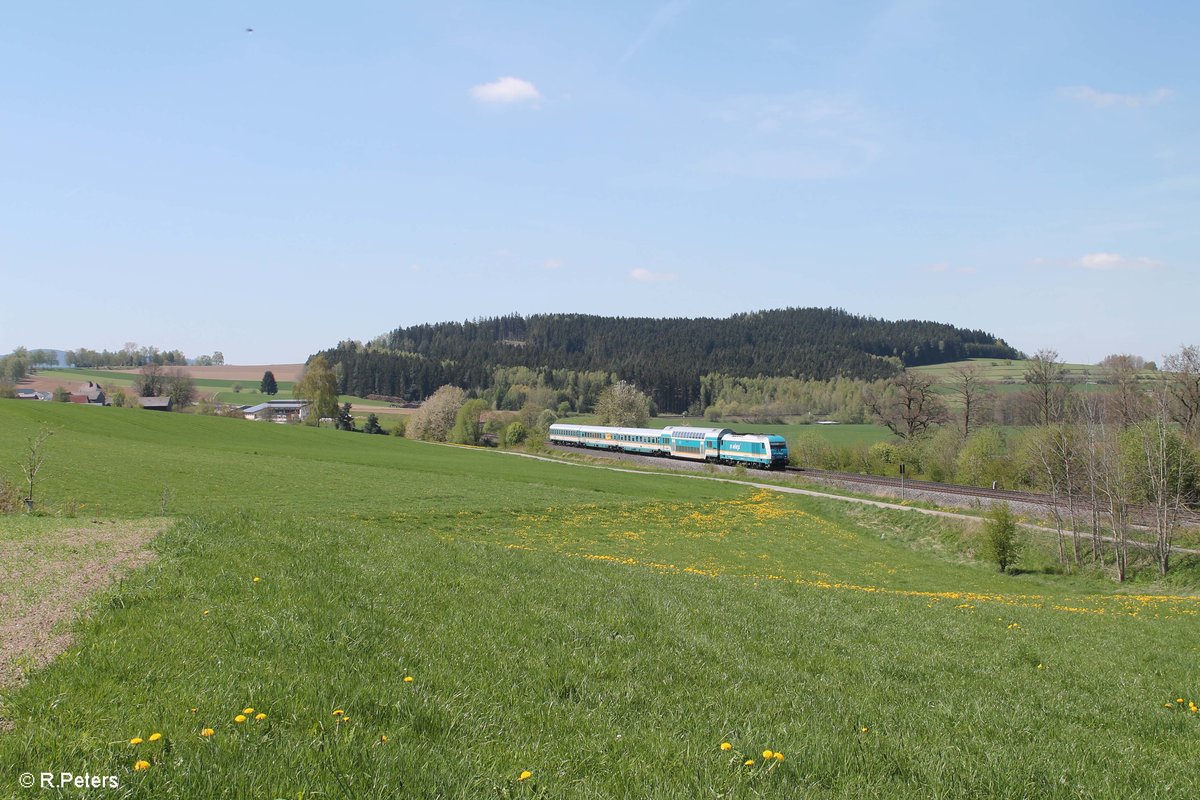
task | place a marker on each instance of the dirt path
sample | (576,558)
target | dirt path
(49,570)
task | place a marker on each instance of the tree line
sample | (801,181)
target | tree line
(1122,455)
(666,357)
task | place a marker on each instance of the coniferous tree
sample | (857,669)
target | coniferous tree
(268,385)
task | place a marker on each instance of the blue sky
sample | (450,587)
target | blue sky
(169,178)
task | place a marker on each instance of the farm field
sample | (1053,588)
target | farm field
(604,632)
(219,389)
(1009,376)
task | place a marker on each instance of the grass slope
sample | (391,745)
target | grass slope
(604,631)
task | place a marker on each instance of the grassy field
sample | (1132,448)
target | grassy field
(604,632)
(1009,376)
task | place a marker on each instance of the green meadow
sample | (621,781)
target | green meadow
(603,632)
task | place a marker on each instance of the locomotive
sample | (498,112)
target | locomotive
(716,445)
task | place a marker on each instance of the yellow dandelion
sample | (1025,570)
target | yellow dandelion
(525,775)
(205,613)
(260,716)
(194,710)
(383,738)
(338,713)
(778,756)
(408,678)
(1168,705)
(1178,699)
(256,579)
(1041,666)
(1192,707)
(240,718)
(768,755)
(247,710)
(749,762)
(141,765)
(136,740)
(207,732)
(726,746)
(863,729)
(154,737)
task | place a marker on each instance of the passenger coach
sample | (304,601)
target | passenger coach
(717,445)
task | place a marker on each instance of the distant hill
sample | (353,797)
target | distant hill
(666,357)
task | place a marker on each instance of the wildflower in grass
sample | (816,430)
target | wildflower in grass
(141,765)
(1168,705)
(778,756)
(256,579)
(383,738)
(1192,707)
(207,732)
(408,678)
(1178,699)
(240,718)
(193,710)
(864,729)
(338,713)
(768,755)
(205,613)
(726,746)
(136,740)
(1041,666)
(154,737)
(260,716)
(247,710)
(525,775)
(749,762)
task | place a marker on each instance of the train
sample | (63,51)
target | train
(716,445)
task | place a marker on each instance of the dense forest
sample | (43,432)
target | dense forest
(666,357)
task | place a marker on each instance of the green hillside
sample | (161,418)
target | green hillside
(604,631)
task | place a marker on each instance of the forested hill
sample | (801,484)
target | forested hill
(665,357)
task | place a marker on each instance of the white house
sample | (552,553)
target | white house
(278,411)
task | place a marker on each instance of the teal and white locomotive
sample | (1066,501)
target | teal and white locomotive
(718,445)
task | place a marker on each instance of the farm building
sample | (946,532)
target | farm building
(34,394)
(278,411)
(155,403)
(90,393)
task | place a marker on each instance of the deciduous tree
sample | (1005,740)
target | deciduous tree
(909,406)
(623,405)
(318,386)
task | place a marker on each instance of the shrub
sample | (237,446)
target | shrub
(1001,536)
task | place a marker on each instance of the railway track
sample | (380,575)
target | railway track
(1007,495)
(853,478)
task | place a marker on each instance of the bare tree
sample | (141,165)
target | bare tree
(152,379)
(1129,401)
(908,406)
(1092,412)
(975,394)
(34,458)
(1164,474)
(1046,395)
(1183,375)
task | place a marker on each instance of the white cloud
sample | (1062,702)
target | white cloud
(1111,261)
(506,90)
(646,276)
(1099,99)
